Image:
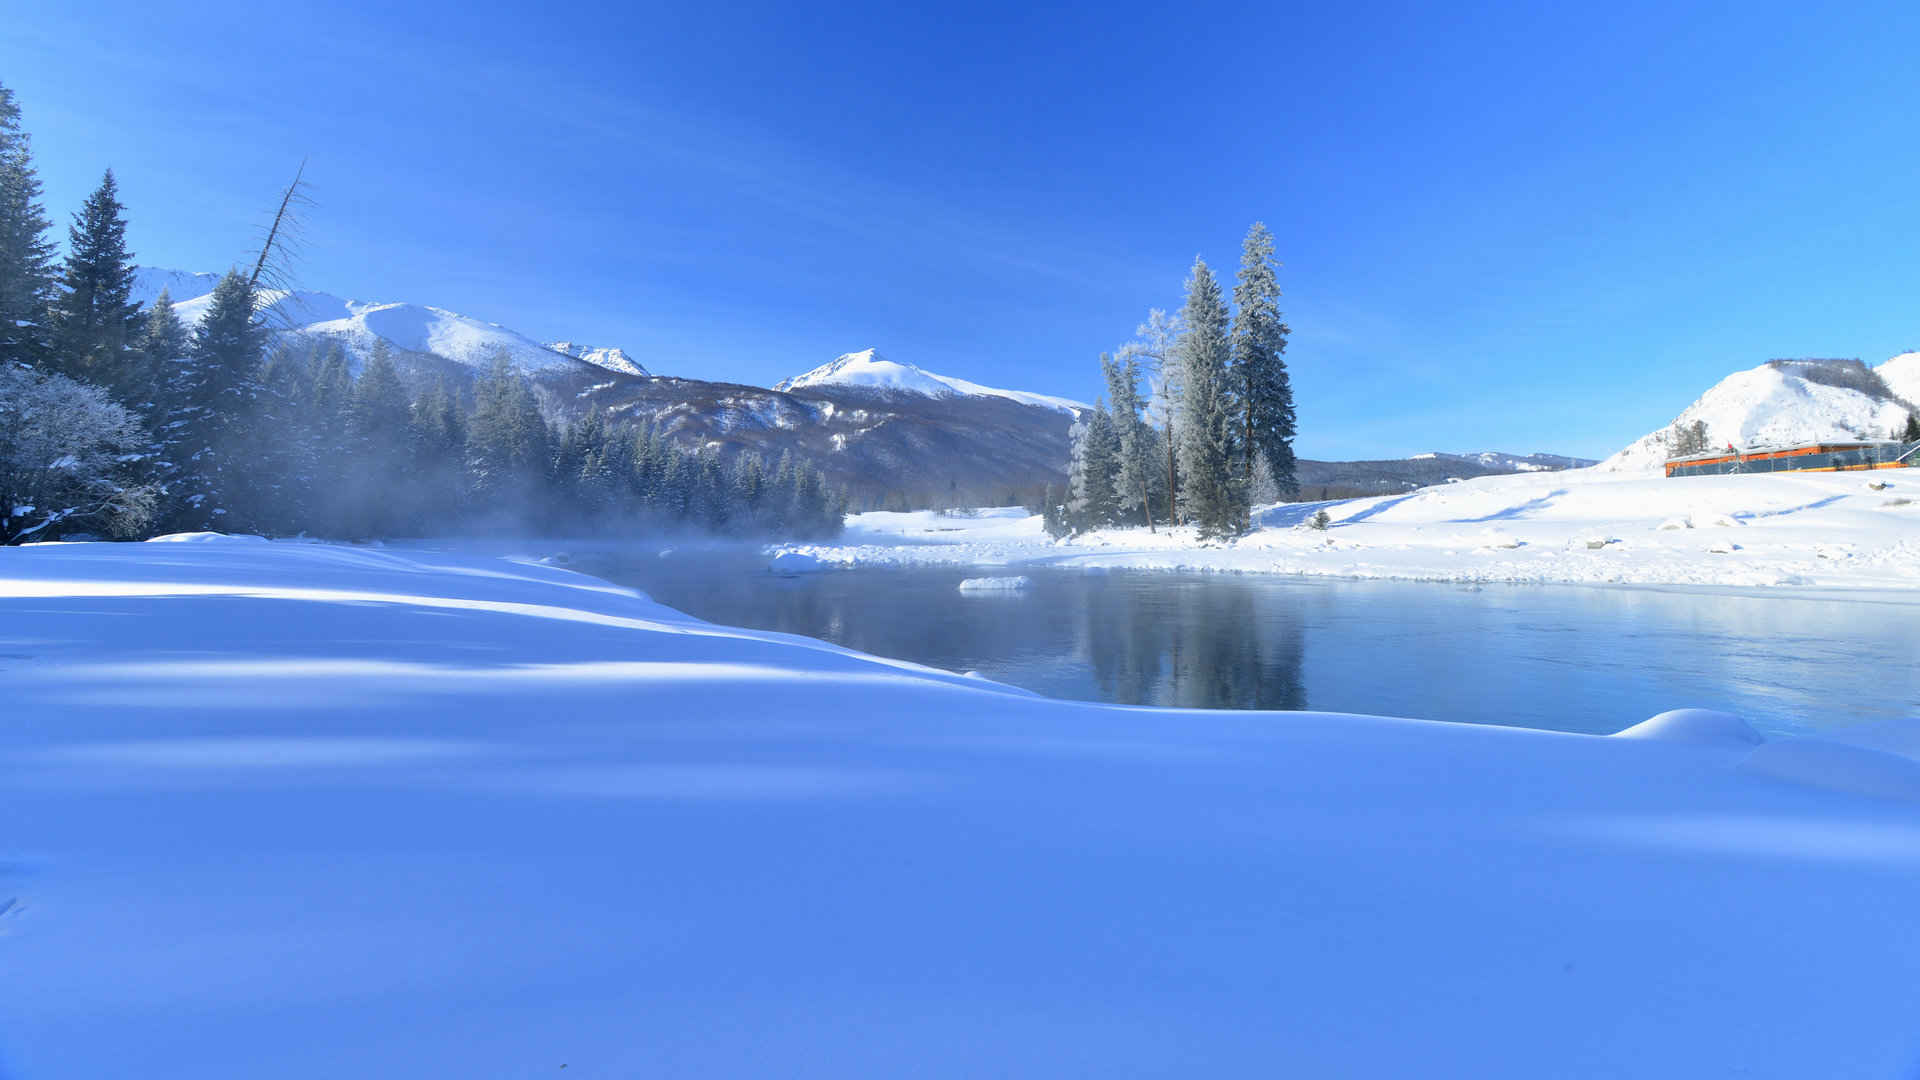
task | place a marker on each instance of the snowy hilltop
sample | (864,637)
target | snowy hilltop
(868,370)
(354,325)
(1784,402)
(611,357)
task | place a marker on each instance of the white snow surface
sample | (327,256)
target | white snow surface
(1580,526)
(1902,376)
(1773,406)
(311,811)
(868,370)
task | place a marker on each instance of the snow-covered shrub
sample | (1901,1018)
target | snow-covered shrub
(66,457)
(1320,520)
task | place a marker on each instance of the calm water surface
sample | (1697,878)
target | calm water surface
(1570,658)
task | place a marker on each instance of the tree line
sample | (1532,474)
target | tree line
(1213,433)
(127,422)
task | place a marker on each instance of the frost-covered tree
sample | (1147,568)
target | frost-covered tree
(1260,378)
(1053,513)
(68,458)
(1215,494)
(1685,439)
(213,393)
(1135,484)
(26,253)
(1263,489)
(1152,349)
(94,319)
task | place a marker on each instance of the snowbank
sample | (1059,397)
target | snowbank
(1585,526)
(796,562)
(307,811)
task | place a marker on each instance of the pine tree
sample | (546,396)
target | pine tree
(1912,434)
(377,430)
(215,390)
(165,345)
(509,446)
(1093,502)
(1215,494)
(26,254)
(94,320)
(748,490)
(1259,370)
(164,341)
(438,439)
(780,518)
(1134,483)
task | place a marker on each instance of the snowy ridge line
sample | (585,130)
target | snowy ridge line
(356,325)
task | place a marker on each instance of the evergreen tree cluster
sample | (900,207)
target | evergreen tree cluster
(1224,402)
(127,422)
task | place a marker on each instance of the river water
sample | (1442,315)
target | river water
(1568,658)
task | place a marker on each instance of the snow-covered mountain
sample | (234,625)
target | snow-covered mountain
(869,371)
(323,318)
(1902,376)
(1784,402)
(611,357)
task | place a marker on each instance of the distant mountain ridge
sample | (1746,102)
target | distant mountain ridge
(1420,470)
(891,432)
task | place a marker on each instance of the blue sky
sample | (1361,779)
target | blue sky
(1537,227)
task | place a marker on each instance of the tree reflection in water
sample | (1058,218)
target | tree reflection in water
(1194,645)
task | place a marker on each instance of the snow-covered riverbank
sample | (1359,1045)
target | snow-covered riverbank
(311,811)
(1831,530)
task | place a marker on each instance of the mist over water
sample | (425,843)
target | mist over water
(1565,658)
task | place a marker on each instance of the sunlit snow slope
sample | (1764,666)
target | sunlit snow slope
(868,370)
(1785,402)
(355,325)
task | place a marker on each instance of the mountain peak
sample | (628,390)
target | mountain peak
(611,357)
(868,370)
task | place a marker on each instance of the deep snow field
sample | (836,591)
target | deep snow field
(297,810)
(1586,526)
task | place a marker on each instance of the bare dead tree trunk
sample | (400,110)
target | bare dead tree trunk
(279,217)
